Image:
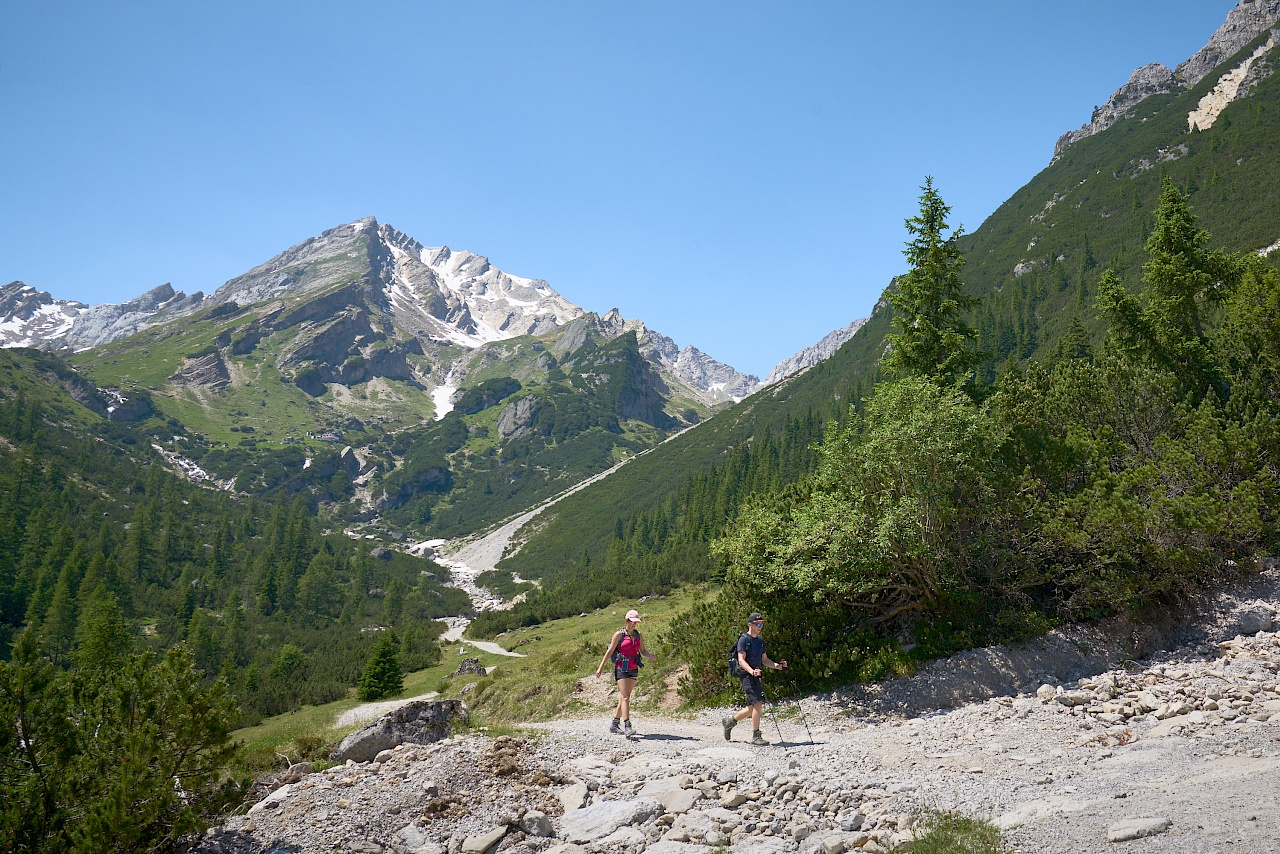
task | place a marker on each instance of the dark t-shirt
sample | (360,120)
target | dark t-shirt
(753,649)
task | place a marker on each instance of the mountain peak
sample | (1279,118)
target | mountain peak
(812,355)
(1248,20)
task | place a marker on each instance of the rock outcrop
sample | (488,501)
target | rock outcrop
(1248,20)
(1148,80)
(1230,86)
(32,318)
(812,355)
(207,371)
(420,722)
(703,377)
(105,323)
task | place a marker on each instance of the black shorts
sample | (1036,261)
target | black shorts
(620,671)
(753,688)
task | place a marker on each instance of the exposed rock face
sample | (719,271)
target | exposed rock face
(208,371)
(135,407)
(516,418)
(421,722)
(104,323)
(702,376)
(1148,80)
(361,283)
(1230,86)
(812,355)
(713,378)
(32,318)
(430,292)
(1248,20)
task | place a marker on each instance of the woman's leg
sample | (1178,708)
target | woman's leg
(624,698)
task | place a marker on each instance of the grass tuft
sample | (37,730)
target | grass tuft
(947,832)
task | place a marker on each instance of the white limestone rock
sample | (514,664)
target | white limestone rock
(600,819)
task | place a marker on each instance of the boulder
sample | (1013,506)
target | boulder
(483,842)
(678,800)
(572,797)
(1253,618)
(470,666)
(601,819)
(420,722)
(1137,828)
(536,823)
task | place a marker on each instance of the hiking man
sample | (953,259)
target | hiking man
(752,661)
(625,650)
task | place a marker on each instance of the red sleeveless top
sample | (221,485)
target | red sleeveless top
(630,647)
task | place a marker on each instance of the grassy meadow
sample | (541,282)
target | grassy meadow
(540,686)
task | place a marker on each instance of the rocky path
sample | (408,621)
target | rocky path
(467,558)
(1178,752)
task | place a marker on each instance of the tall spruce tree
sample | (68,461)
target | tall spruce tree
(1182,280)
(932,338)
(382,676)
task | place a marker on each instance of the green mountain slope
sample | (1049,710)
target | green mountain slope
(93,522)
(269,393)
(1036,260)
(1034,264)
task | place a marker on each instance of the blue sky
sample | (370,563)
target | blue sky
(735,174)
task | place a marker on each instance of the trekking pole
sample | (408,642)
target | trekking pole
(804,720)
(773,718)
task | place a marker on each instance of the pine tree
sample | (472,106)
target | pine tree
(318,589)
(102,637)
(57,631)
(933,339)
(382,676)
(1183,279)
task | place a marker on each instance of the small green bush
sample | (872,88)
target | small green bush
(953,833)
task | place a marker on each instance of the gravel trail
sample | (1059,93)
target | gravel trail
(1175,748)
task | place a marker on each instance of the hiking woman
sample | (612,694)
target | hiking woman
(625,650)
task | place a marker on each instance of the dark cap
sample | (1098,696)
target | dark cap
(755,615)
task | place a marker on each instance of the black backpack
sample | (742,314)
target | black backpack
(735,669)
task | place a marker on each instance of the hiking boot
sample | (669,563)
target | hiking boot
(758,740)
(614,729)
(627,730)
(728,723)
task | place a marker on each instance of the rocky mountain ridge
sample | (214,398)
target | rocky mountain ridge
(1244,23)
(29,317)
(812,355)
(442,297)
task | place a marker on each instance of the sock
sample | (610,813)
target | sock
(755,732)
(615,720)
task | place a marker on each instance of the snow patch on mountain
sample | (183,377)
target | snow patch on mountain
(29,317)
(442,396)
